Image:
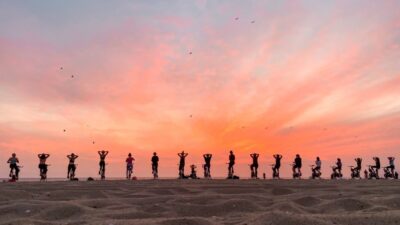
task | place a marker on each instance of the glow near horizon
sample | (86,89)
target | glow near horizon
(308,77)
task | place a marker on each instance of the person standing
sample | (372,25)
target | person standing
(231,164)
(207,166)
(182,157)
(277,165)
(129,166)
(154,165)
(102,163)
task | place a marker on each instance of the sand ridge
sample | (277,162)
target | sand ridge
(181,202)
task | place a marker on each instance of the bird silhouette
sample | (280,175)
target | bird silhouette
(253,21)
(236,18)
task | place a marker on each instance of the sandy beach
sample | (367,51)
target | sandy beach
(202,202)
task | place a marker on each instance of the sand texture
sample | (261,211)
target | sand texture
(202,202)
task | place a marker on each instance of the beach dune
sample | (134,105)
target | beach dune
(202,202)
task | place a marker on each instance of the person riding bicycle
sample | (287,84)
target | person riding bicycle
(277,165)
(254,165)
(317,167)
(297,164)
(377,165)
(358,162)
(207,159)
(129,165)
(231,164)
(338,168)
(154,164)
(13,160)
(391,164)
(355,171)
(102,163)
(71,165)
(42,164)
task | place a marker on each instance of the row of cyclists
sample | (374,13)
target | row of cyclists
(371,172)
(43,166)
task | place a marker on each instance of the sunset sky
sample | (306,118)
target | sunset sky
(318,78)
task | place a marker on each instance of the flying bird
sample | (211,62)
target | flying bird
(190,53)
(93,142)
(72,76)
(65,130)
(253,21)
(61,68)
(236,18)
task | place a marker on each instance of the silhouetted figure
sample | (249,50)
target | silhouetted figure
(337,170)
(129,166)
(42,165)
(154,165)
(193,173)
(207,165)
(389,171)
(71,166)
(377,166)
(297,164)
(254,165)
(276,166)
(338,167)
(231,164)
(391,164)
(102,163)
(316,169)
(182,157)
(13,161)
(355,171)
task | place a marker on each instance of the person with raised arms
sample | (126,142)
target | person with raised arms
(182,157)
(207,166)
(71,166)
(102,163)
(42,165)
(254,165)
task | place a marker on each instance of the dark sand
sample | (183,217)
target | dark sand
(202,202)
